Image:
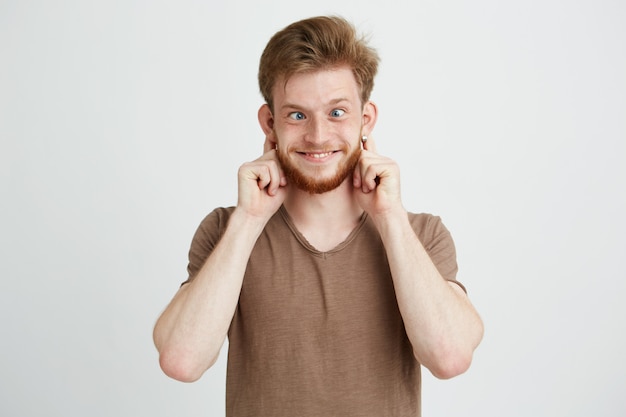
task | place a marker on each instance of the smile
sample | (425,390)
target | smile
(319,155)
(316,155)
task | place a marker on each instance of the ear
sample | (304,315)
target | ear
(370,115)
(266,120)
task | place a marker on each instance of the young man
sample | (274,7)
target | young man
(330,293)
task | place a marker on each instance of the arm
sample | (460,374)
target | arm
(191,331)
(441,323)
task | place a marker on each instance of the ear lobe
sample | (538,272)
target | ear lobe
(269,144)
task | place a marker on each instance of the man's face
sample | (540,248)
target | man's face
(317,125)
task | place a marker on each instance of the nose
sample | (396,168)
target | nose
(317,131)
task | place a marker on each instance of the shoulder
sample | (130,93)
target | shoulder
(428,227)
(437,241)
(212,227)
(206,237)
(423,220)
(216,220)
(219,214)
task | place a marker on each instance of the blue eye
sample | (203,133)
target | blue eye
(337,113)
(296,115)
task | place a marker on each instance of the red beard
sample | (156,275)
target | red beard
(314,185)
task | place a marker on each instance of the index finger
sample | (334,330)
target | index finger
(269,144)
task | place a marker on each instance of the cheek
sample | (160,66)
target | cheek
(282,142)
(287,135)
(352,129)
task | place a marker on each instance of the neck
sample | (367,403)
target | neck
(336,204)
(324,219)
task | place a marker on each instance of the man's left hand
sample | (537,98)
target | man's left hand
(376,181)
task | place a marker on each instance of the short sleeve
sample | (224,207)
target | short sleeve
(438,242)
(205,239)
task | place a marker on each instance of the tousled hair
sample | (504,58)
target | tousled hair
(314,44)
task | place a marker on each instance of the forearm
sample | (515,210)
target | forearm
(192,329)
(442,325)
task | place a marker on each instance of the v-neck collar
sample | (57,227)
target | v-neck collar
(305,243)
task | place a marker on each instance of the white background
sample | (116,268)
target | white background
(122,123)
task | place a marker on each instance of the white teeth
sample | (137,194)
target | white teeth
(319,155)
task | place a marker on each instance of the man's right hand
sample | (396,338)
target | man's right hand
(262,185)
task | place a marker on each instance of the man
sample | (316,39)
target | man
(330,293)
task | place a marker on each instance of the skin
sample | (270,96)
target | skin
(316,125)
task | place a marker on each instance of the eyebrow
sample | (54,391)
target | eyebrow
(291,106)
(338,100)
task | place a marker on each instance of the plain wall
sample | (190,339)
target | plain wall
(123,123)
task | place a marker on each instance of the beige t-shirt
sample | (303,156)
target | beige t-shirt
(319,333)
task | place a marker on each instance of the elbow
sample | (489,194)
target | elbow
(448,361)
(453,360)
(449,366)
(182,367)
(179,360)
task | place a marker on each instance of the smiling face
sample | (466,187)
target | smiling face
(317,124)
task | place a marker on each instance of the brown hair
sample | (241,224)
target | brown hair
(314,44)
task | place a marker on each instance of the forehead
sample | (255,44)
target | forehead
(317,86)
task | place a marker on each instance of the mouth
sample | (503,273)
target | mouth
(317,155)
